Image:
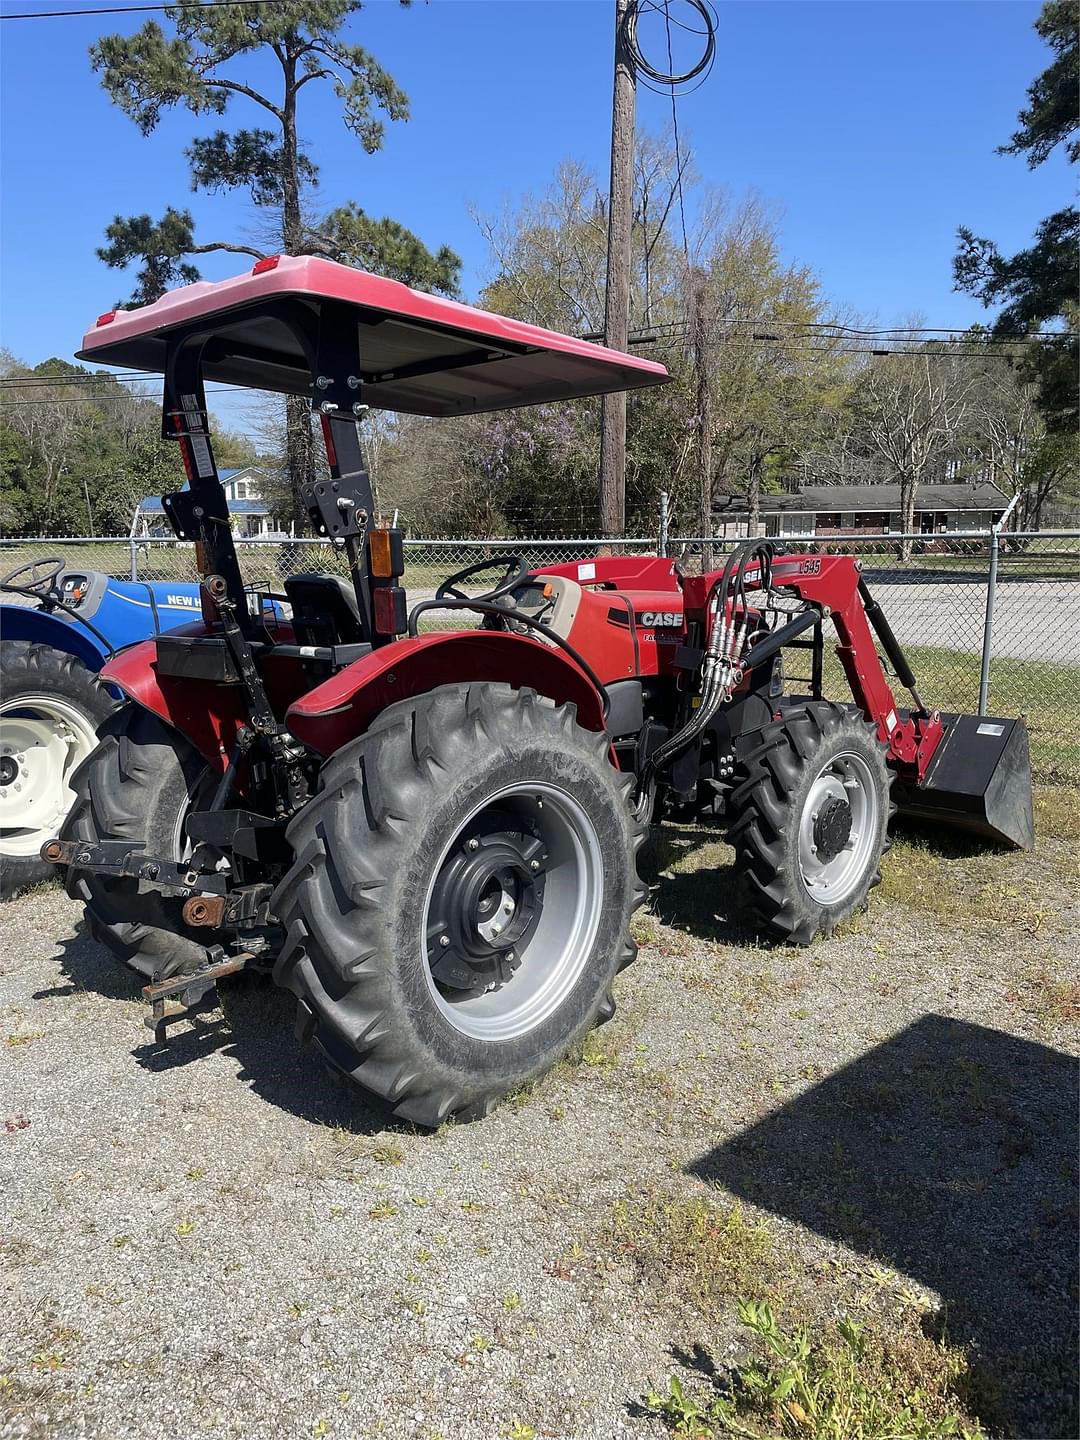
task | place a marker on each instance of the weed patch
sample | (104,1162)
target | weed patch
(707,1254)
(1049,1000)
(946,878)
(852,1382)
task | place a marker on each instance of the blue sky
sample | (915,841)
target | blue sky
(869,126)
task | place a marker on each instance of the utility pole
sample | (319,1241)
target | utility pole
(699,350)
(617,293)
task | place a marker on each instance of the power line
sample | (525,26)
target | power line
(668,338)
(658,80)
(896,335)
(88,380)
(93,399)
(895,332)
(665,331)
(668,342)
(135,9)
(78,382)
(675,133)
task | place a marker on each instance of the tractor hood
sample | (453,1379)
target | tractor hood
(420,354)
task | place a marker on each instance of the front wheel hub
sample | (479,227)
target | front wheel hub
(838,828)
(832,828)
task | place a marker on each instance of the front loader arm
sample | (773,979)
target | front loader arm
(834,584)
(843,594)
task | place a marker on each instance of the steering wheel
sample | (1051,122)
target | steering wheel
(40,582)
(514,571)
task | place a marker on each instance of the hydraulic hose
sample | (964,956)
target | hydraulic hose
(719,667)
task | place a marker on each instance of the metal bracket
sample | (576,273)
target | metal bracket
(193,987)
(246,906)
(125,858)
(340,505)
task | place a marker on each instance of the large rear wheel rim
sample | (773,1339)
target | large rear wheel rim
(513,906)
(838,829)
(43,739)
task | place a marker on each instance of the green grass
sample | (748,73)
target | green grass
(1047,695)
(963,889)
(870,1375)
(1046,559)
(1057,813)
(114,559)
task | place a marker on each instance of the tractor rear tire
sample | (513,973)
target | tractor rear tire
(461,898)
(138,784)
(811,817)
(50,708)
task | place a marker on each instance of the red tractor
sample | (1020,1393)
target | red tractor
(431,838)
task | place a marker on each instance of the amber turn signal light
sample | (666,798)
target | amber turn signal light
(386,553)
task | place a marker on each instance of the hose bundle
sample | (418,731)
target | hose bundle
(720,664)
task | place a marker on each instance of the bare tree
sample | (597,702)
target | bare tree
(779,371)
(1009,430)
(914,407)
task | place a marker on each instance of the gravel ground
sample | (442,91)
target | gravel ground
(213,1239)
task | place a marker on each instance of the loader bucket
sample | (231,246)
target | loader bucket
(978,780)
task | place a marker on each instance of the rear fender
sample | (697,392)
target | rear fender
(208,714)
(38,627)
(345,705)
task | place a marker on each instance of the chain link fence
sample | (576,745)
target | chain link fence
(271,562)
(935,589)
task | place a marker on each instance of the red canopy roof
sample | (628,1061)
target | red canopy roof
(418,352)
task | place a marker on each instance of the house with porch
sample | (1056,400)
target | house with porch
(251,515)
(828,510)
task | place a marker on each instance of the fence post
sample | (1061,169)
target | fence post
(991,596)
(662,543)
(988,623)
(133,564)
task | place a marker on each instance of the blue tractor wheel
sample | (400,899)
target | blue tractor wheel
(50,708)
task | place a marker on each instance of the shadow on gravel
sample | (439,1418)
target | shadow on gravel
(253,1025)
(690,874)
(950,1152)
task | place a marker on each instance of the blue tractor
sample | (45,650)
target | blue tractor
(51,700)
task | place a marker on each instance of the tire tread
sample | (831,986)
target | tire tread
(761,809)
(334,957)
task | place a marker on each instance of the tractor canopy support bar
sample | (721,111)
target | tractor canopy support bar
(201,512)
(340,508)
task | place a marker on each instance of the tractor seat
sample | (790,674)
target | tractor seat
(324,609)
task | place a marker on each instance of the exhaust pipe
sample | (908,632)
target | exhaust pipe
(979,780)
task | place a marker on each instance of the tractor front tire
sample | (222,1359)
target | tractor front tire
(50,708)
(810,819)
(139,784)
(461,898)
